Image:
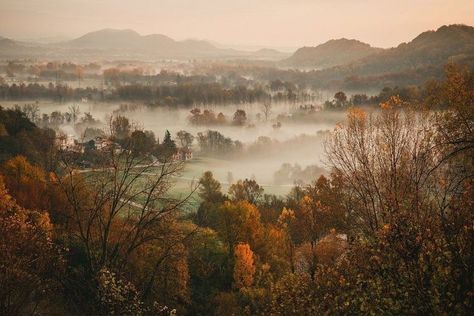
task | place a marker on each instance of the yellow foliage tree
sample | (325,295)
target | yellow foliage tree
(25,182)
(240,223)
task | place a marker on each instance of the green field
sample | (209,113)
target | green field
(194,169)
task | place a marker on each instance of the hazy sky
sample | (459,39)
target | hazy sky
(276,23)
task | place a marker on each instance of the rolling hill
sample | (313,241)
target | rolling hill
(414,62)
(118,44)
(332,53)
(431,48)
(130,42)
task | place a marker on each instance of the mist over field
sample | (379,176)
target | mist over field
(294,142)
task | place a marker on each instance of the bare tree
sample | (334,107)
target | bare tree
(121,205)
(267,109)
(31,111)
(74,112)
(386,160)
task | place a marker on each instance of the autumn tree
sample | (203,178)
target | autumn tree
(385,159)
(31,112)
(455,125)
(120,127)
(244,266)
(239,223)
(209,271)
(27,183)
(286,222)
(29,261)
(33,188)
(209,188)
(209,191)
(171,282)
(293,295)
(23,137)
(246,190)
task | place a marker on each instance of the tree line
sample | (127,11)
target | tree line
(186,94)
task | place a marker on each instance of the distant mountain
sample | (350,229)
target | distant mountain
(409,63)
(431,48)
(105,39)
(10,47)
(18,49)
(129,42)
(6,42)
(332,53)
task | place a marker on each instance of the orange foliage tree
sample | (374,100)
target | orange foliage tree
(28,257)
(244,268)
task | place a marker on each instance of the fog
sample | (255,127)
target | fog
(294,142)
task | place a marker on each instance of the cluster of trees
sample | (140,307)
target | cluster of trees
(186,94)
(296,174)
(335,78)
(51,70)
(20,136)
(278,85)
(143,143)
(116,75)
(341,101)
(186,91)
(57,92)
(237,86)
(130,74)
(389,231)
(214,143)
(56,118)
(422,95)
(263,238)
(189,94)
(208,117)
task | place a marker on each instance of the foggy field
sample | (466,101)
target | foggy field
(294,142)
(194,169)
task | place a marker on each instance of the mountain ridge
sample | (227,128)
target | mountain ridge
(414,62)
(336,58)
(334,52)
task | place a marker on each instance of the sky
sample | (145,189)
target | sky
(252,23)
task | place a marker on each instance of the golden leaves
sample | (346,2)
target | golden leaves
(244,268)
(392,103)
